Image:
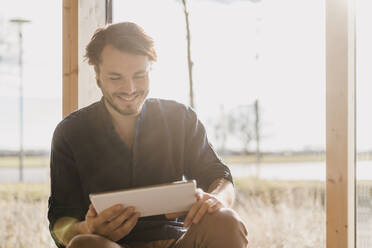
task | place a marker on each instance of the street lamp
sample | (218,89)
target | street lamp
(19,23)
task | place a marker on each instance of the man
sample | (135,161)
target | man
(126,141)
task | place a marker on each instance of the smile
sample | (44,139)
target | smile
(128,98)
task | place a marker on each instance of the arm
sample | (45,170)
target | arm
(212,175)
(66,201)
(67,212)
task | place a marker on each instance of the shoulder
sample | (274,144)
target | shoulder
(168,107)
(165,104)
(78,119)
(175,114)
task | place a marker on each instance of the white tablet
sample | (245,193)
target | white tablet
(150,200)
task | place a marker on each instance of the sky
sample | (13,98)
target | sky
(288,79)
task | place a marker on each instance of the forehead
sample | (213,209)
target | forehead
(114,60)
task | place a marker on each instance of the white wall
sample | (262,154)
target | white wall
(91,16)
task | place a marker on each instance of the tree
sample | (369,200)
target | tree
(189,61)
(220,130)
(257,135)
(245,124)
(241,126)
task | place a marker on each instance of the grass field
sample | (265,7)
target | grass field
(23,212)
(277,214)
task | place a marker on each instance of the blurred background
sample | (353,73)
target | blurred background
(258,79)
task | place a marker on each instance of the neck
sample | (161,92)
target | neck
(119,119)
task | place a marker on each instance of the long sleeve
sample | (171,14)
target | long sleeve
(201,161)
(65,199)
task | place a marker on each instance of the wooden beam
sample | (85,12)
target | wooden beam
(70,56)
(340,123)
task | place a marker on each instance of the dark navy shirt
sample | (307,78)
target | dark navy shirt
(88,156)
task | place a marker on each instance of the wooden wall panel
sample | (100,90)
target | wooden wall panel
(340,123)
(70,56)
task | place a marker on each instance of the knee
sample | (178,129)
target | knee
(223,222)
(226,219)
(88,240)
(223,228)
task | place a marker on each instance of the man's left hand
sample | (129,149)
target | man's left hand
(205,203)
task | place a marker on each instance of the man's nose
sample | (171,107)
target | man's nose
(128,86)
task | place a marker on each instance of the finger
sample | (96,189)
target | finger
(175,215)
(190,215)
(115,223)
(108,213)
(125,228)
(91,211)
(203,209)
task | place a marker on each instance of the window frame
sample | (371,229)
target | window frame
(340,101)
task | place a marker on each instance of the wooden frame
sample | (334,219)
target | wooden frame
(340,123)
(70,57)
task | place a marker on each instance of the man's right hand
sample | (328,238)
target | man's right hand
(112,228)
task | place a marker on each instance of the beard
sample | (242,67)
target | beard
(129,109)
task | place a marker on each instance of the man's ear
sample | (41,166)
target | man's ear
(97,76)
(98,82)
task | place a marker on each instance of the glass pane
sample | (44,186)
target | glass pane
(259,86)
(23,206)
(364,123)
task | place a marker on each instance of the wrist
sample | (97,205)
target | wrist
(81,227)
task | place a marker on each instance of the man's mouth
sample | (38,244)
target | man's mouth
(128,98)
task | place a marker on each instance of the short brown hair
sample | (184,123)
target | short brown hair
(125,36)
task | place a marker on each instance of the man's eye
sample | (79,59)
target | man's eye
(140,77)
(114,78)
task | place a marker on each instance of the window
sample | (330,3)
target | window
(23,206)
(269,54)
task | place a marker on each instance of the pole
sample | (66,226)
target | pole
(20,22)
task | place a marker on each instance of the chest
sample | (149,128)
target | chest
(126,132)
(130,157)
(127,136)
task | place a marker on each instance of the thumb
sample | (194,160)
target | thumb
(91,211)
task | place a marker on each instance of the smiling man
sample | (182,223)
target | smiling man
(126,140)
